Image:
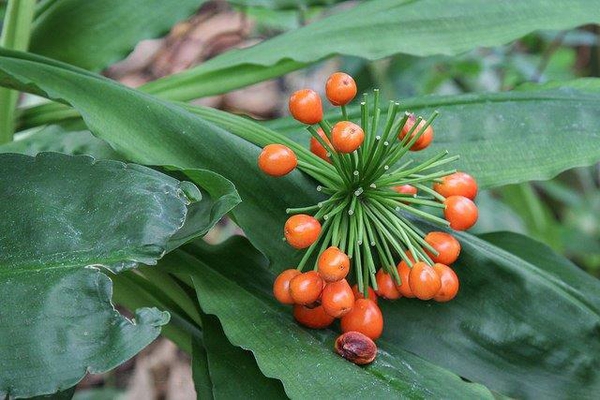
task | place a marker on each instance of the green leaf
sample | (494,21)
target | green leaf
(94,34)
(505,138)
(378,29)
(541,223)
(219,196)
(232,282)
(228,363)
(155,132)
(63,218)
(496,216)
(200,372)
(61,139)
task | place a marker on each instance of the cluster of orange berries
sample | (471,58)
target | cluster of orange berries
(364,221)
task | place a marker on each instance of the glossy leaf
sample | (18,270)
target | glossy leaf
(378,29)
(94,34)
(62,139)
(233,371)
(155,132)
(232,283)
(63,218)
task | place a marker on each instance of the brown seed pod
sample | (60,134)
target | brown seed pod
(356,347)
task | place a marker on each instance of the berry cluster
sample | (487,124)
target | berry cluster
(364,223)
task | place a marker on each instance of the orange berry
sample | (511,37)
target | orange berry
(405,189)
(305,106)
(449,280)
(301,230)
(315,318)
(346,136)
(340,89)
(281,286)
(386,287)
(306,288)
(333,264)
(461,212)
(424,140)
(317,149)
(337,298)
(424,281)
(457,184)
(277,160)
(365,317)
(359,295)
(404,287)
(445,244)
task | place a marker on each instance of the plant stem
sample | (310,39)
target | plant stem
(15,36)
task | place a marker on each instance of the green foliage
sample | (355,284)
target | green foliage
(377,29)
(95,34)
(508,346)
(63,218)
(233,283)
(525,322)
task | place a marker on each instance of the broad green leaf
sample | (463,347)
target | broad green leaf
(155,132)
(544,258)
(228,364)
(232,283)
(64,217)
(378,29)
(61,139)
(94,34)
(508,137)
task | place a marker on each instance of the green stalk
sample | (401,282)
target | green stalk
(15,36)
(173,290)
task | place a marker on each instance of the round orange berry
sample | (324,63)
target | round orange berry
(340,89)
(365,317)
(426,137)
(445,244)
(346,136)
(450,283)
(457,184)
(461,212)
(281,286)
(337,298)
(301,230)
(305,106)
(424,281)
(277,160)
(315,317)
(386,287)
(306,288)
